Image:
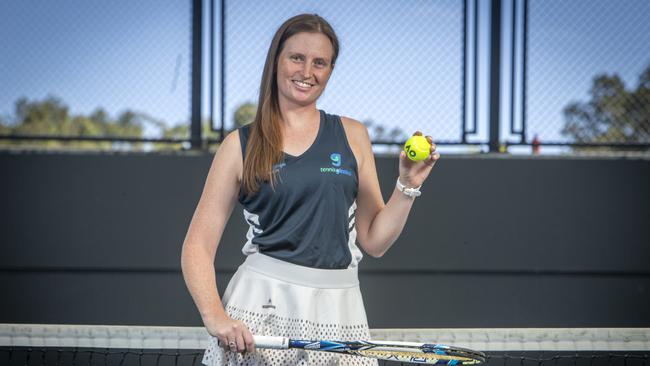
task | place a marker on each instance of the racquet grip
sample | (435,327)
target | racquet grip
(271,342)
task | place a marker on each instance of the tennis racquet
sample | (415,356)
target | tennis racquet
(426,353)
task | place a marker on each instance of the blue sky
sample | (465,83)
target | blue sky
(399,64)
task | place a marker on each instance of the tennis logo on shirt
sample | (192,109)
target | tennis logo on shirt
(336,161)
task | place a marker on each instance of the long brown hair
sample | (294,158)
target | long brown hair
(264,147)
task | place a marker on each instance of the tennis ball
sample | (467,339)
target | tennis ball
(417,148)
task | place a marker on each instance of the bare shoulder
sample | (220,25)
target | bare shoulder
(358,138)
(229,155)
(356,131)
(353,127)
(231,142)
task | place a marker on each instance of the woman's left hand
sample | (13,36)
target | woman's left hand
(413,173)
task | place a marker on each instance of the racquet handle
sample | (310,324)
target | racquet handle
(271,342)
(268,342)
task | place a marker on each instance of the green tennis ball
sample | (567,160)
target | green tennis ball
(417,148)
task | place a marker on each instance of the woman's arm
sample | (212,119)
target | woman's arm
(379,224)
(203,236)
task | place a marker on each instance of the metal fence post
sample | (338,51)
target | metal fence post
(495,74)
(197,39)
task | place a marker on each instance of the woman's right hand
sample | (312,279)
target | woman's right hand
(233,335)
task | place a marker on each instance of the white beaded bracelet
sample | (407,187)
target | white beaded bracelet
(410,192)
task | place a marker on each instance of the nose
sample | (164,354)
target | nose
(306,70)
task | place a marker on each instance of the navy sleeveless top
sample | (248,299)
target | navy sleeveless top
(309,218)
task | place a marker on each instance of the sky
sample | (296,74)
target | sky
(399,66)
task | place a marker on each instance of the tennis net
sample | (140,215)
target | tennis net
(37,344)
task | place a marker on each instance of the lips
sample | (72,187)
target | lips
(302,84)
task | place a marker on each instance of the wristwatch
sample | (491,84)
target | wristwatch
(411,192)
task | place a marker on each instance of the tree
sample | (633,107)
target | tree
(245,114)
(182,131)
(51,117)
(4,127)
(379,132)
(613,114)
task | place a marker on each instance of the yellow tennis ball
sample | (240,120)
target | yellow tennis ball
(417,148)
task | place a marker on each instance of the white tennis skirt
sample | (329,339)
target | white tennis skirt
(277,298)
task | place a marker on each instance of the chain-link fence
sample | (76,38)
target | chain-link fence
(399,67)
(119,74)
(584,68)
(96,70)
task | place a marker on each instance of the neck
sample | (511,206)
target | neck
(294,116)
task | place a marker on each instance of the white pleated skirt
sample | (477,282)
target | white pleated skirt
(277,298)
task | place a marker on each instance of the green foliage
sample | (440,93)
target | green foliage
(182,132)
(245,114)
(613,114)
(379,132)
(51,117)
(4,129)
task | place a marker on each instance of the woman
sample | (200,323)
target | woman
(309,188)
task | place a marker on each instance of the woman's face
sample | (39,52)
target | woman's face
(304,67)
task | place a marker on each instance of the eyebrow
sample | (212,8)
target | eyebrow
(292,53)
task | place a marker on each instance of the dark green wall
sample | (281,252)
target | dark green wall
(494,241)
